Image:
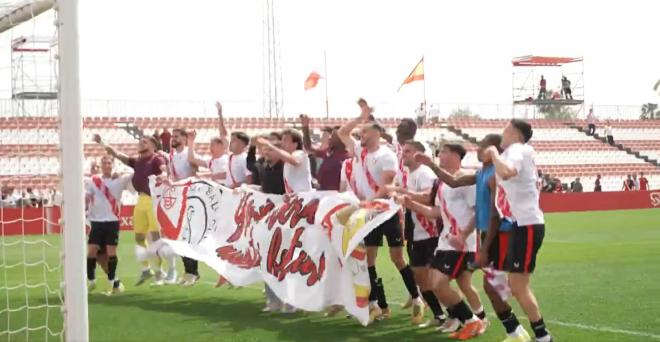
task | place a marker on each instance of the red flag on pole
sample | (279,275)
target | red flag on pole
(312,80)
(417,74)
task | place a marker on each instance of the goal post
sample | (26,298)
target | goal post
(71,151)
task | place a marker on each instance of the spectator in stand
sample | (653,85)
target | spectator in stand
(635,182)
(33,198)
(329,173)
(597,186)
(8,199)
(591,122)
(165,139)
(559,187)
(566,88)
(548,184)
(643,182)
(157,135)
(576,186)
(628,184)
(421,115)
(608,133)
(542,89)
(539,181)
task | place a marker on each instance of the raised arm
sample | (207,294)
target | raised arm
(446,177)
(345,131)
(502,168)
(222,129)
(282,154)
(111,150)
(192,157)
(307,139)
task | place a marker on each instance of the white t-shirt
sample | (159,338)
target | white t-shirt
(237,171)
(421,179)
(520,191)
(403,170)
(217,165)
(374,164)
(298,178)
(179,165)
(99,209)
(457,208)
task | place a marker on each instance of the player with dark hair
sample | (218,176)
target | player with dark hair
(297,173)
(148,163)
(516,174)
(494,233)
(103,198)
(379,167)
(456,247)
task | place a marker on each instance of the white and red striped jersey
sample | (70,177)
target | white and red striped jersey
(419,180)
(217,165)
(298,178)
(105,194)
(372,166)
(180,167)
(520,193)
(457,208)
(237,171)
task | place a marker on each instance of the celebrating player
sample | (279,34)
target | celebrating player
(147,163)
(457,245)
(378,165)
(181,168)
(104,203)
(494,233)
(516,175)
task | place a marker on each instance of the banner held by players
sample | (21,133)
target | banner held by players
(306,247)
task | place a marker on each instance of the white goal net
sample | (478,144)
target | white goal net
(41,241)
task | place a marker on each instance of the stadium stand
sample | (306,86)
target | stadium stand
(563,150)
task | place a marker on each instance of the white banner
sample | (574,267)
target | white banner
(307,247)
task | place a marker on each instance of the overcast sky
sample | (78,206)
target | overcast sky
(206,50)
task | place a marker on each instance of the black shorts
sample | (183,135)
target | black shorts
(498,250)
(104,233)
(452,263)
(422,251)
(524,244)
(391,229)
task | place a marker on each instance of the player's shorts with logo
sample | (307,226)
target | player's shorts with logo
(498,249)
(144,220)
(422,252)
(452,263)
(390,229)
(104,233)
(524,245)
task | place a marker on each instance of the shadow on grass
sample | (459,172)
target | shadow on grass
(229,316)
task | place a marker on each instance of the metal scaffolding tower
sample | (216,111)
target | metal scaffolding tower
(34,75)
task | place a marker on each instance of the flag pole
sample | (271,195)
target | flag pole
(424,83)
(325,71)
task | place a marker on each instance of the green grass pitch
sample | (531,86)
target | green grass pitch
(597,279)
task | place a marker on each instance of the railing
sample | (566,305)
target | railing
(174,108)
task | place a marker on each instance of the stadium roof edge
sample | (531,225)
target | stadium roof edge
(543,61)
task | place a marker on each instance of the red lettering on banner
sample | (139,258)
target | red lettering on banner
(293,211)
(326,223)
(248,259)
(280,263)
(245,215)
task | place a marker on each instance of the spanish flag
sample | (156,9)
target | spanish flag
(417,74)
(312,80)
